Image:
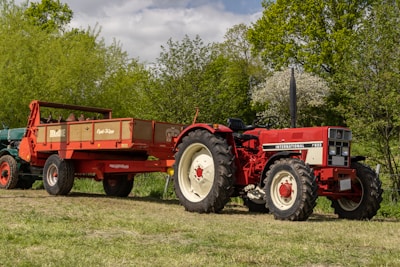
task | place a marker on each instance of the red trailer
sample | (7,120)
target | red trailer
(107,149)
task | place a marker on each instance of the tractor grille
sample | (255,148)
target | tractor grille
(339,147)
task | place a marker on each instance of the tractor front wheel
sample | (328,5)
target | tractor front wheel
(58,175)
(366,194)
(8,172)
(117,185)
(291,190)
(204,172)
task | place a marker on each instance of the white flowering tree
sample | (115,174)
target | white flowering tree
(273,98)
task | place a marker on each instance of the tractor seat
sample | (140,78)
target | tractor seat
(238,126)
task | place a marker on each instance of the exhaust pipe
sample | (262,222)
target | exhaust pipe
(293,101)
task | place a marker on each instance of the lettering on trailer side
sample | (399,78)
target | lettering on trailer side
(119,166)
(105,131)
(57,133)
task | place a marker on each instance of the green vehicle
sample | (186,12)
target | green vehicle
(14,172)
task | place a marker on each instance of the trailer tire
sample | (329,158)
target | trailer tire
(58,175)
(366,207)
(117,185)
(8,172)
(204,172)
(291,190)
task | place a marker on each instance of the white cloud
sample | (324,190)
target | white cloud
(143,26)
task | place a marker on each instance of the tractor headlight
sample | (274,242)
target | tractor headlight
(332,150)
(345,151)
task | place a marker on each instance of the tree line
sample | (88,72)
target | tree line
(345,53)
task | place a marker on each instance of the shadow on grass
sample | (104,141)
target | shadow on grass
(230,208)
(151,199)
(318,217)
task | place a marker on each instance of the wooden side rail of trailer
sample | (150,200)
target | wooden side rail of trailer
(97,147)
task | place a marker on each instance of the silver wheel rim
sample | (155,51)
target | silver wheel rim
(280,179)
(196,172)
(52,175)
(348,204)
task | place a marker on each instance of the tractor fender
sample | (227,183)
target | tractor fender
(9,151)
(271,160)
(357,158)
(212,128)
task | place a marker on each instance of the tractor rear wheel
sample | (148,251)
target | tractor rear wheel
(117,185)
(291,190)
(58,175)
(204,172)
(8,172)
(367,195)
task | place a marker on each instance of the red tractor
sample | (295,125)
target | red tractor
(277,171)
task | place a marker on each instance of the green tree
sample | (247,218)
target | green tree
(49,15)
(241,71)
(371,80)
(74,67)
(216,78)
(313,34)
(177,88)
(125,85)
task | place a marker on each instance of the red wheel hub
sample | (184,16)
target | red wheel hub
(4,173)
(199,172)
(285,190)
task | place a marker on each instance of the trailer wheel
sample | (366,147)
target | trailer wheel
(368,195)
(203,172)
(117,185)
(8,172)
(58,175)
(291,190)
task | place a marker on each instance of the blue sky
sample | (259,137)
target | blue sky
(242,6)
(142,26)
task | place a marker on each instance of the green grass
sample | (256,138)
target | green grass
(147,184)
(87,228)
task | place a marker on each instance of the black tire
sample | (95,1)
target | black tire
(8,172)
(117,185)
(368,188)
(58,175)
(255,207)
(204,172)
(291,190)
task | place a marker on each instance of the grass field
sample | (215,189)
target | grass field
(87,228)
